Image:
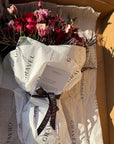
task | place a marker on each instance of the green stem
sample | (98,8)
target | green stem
(15,16)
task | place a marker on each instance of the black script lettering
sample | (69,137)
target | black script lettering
(47,133)
(10,129)
(48,130)
(73,75)
(44,139)
(68,59)
(28,66)
(73,132)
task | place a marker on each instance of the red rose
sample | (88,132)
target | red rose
(19,24)
(31,29)
(19,21)
(20,28)
(79,40)
(30,18)
(59,36)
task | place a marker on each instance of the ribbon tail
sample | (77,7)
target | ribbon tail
(51,112)
(53,121)
(44,122)
(53,115)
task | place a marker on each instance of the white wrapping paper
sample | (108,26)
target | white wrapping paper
(31,57)
(28,62)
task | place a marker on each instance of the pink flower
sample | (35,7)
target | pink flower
(69,31)
(30,18)
(11,24)
(31,29)
(41,15)
(13,10)
(43,30)
(39,4)
(68,28)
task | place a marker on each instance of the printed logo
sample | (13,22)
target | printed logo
(10,129)
(28,66)
(47,133)
(73,132)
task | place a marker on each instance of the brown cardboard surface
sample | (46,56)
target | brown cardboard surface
(109,82)
(109,77)
(101,94)
(107,53)
(112,115)
(108,34)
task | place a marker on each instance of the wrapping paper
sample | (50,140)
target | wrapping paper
(31,57)
(28,62)
(79,104)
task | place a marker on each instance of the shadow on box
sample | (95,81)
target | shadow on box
(105,76)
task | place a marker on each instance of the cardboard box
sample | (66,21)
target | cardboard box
(105,60)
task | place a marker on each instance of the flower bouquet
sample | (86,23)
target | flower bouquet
(44,55)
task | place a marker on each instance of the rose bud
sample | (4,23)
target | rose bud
(13,10)
(11,24)
(39,4)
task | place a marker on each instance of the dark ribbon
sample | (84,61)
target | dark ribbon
(52,109)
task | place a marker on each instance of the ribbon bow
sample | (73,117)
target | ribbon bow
(52,109)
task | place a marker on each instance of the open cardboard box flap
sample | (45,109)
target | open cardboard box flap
(103,6)
(105,60)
